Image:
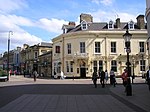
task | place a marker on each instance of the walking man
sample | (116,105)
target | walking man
(94,78)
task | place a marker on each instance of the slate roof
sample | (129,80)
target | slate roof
(103,26)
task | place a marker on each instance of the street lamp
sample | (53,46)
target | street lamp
(127,36)
(10,33)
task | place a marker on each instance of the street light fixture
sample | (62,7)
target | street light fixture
(10,33)
(127,37)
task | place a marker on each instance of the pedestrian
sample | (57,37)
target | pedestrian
(62,76)
(94,78)
(148,78)
(111,76)
(125,78)
(99,74)
(106,76)
(114,80)
(102,79)
(35,75)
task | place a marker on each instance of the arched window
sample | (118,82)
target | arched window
(84,25)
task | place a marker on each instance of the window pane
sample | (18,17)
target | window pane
(141,45)
(100,65)
(82,47)
(142,65)
(97,47)
(69,48)
(114,65)
(95,65)
(113,47)
(57,49)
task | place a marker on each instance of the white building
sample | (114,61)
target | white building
(147,14)
(100,46)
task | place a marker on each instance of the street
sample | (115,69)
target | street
(79,95)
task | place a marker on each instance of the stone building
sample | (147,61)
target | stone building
(100,46)
(147,14)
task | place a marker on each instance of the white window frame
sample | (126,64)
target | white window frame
(142,47)
(84,25)
(97,47)
(95,65)
(142,65)
(69,48)
(111,25)
(71,66)
(100,62)
(67,66)
(112,47)
(131,25)
(82,47)
(114,65)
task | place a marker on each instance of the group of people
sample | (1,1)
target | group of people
(103,76)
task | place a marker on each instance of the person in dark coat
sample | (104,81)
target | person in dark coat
(148,78)
(102,79)
(94,78)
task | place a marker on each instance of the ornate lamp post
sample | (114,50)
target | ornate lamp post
(10,33)
(127,36)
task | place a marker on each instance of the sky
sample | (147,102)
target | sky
(36,21)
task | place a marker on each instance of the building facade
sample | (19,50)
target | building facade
(93,46)
(147,14)
(30,57)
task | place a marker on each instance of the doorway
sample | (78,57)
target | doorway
(82,69)
(82,72)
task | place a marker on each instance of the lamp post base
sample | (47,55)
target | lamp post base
(128,88)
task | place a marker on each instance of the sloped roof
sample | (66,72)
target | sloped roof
(103,26)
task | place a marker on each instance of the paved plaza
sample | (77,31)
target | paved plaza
(48,95)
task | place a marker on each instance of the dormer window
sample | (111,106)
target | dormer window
(131,25)
(111,25)
(84,25)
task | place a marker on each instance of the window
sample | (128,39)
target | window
(100,65)
(110,25)
(84,25)
(82,47)
(141,45)
(131,25)
(35,55)
(67,65)
(97,47)
(114,65)
(69,48)
(113,47)
(57,49)
(142,65)
(95,66)
(71,66)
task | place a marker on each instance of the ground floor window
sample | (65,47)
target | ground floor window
(142,65)
(69,66)
(114,65)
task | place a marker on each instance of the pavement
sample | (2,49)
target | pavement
(79,95)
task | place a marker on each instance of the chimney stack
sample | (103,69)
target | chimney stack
(118,23)
(141,22)
(86,17)
(72,23)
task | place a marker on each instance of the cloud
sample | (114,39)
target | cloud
(52,25)
(104,2)
(12,5)
(104,16)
